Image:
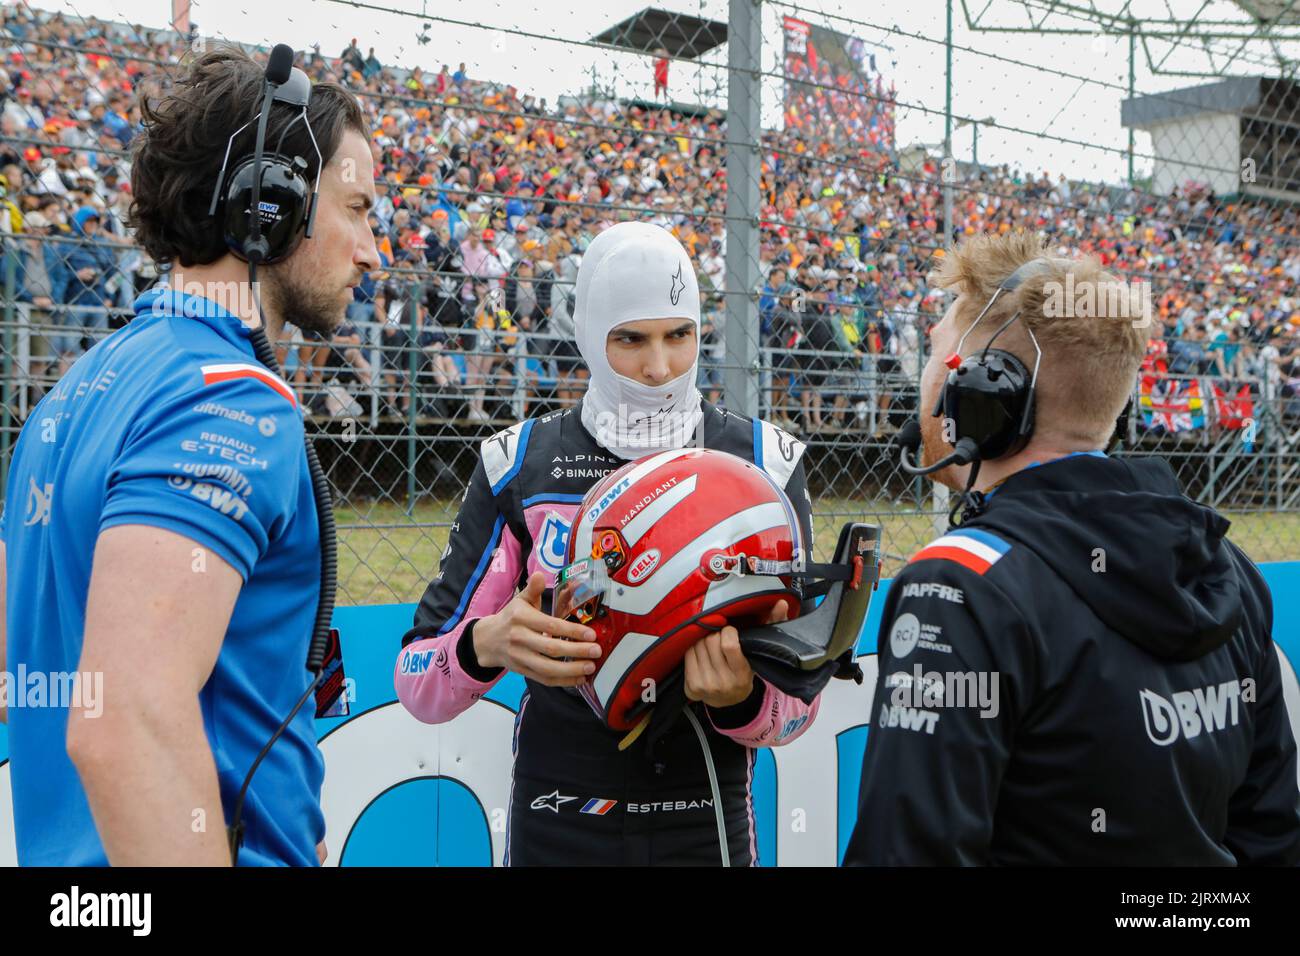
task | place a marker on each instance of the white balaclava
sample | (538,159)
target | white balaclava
(635,271)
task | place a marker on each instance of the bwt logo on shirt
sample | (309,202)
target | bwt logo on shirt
(1192,711)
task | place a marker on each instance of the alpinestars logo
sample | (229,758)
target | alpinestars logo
(678,286)
(1191,712)
(551,801)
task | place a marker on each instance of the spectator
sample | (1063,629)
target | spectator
(80,279)
(439,374)
(50,353)
(346,373)
(713,347)
(391,300)
(494,332)
(488,158)
(351,56)
(661,72)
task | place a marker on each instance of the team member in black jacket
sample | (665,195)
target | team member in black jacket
(1080,672)
(576,798)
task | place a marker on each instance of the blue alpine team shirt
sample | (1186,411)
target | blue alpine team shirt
(169,422)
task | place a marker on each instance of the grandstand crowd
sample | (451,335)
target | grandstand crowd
(488,196)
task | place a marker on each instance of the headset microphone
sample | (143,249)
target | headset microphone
(909,442)
(279,64)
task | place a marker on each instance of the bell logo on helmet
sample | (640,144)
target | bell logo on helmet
(643,567)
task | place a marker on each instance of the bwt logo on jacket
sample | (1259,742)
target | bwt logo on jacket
(1193,711)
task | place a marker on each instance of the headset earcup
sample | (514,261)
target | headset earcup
(989,400)
(284,198)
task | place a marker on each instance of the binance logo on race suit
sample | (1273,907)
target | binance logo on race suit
(583,466)
(1189,713)
(552,542)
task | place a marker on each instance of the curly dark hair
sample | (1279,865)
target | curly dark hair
(176,160)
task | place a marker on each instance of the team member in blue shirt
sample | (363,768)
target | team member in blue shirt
(160,536)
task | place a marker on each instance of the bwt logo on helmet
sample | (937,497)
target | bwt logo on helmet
(608,499)
(1193,711)
(271,207)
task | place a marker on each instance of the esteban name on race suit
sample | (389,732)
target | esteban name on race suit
(1082,674)
(575,798)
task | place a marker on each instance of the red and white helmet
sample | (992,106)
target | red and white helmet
(655,561)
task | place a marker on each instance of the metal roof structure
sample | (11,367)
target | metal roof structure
(1192,38)
(682,35)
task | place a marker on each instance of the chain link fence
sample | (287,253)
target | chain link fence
(784,146)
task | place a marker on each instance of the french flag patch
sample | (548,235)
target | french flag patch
(598,807)
(969,547)
(231,370)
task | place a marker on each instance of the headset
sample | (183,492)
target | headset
(266,208)
(988,399)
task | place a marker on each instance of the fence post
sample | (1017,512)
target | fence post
(744,85)
(11,251)
(1132,85)
(948,174)
(413,406)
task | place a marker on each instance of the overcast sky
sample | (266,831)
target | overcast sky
(1032,107)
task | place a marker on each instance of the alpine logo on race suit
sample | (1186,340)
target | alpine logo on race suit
(552,542)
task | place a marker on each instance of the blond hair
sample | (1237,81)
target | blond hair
(1082,316)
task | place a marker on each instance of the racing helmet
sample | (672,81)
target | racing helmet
(664,551)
